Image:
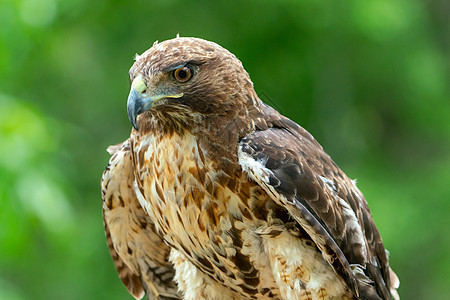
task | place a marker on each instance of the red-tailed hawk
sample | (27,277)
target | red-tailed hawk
(216,195)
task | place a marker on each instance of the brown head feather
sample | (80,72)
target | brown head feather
(219,91)
(217,102)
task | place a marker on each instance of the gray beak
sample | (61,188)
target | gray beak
(135,106)
(140,100)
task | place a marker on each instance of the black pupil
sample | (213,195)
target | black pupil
(182,73)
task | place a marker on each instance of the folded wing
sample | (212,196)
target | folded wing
(293,168)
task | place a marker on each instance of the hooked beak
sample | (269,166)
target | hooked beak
(140,101)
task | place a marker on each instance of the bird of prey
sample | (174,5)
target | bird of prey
(216,195)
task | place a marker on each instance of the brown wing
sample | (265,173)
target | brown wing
(293,168)
(138,252)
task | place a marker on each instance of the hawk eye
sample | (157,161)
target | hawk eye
(183,74)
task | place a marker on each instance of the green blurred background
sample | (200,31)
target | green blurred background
(369,79)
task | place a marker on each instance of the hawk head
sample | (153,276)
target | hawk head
(187,80)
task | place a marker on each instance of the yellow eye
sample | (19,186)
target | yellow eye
(183,74)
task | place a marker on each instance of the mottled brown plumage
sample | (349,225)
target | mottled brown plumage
(139,253)
(226,197)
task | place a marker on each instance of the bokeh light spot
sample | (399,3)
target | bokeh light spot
(38,13)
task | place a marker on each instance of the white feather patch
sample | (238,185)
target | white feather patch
(298,267)
(254,168)
(353,225)
(329,183)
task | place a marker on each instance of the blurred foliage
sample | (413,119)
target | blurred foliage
(368,78)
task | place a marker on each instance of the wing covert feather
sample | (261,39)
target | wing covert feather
(292,167)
